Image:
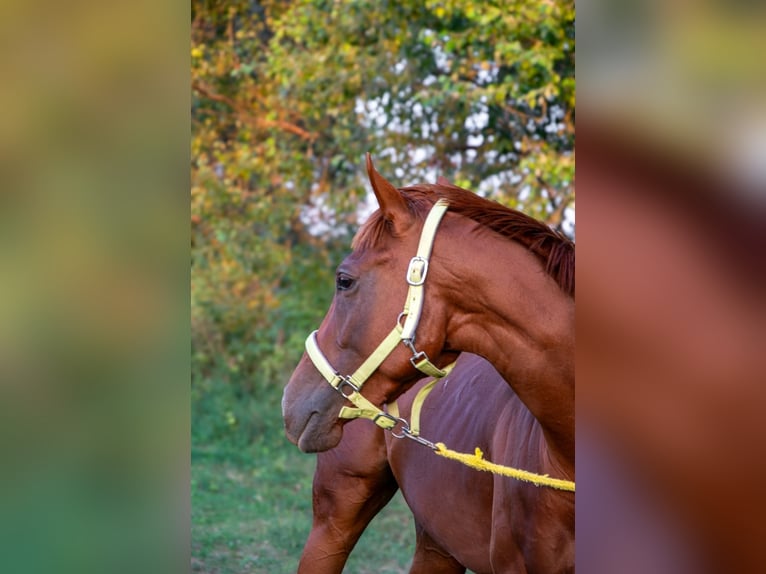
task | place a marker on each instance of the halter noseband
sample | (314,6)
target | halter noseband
(350,385)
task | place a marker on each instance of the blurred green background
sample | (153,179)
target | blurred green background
(287,96)
(285,99)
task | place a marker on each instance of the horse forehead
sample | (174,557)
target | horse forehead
(366,258)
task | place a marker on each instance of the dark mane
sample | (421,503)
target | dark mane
(555,251)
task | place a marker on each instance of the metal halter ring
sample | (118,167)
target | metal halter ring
(405,429)
(345,382)
(397,421)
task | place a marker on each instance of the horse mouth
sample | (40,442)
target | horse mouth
(293,436)
(307,444)
(311,438)
(302,438)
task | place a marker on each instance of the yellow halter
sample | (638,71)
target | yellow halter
(350,385)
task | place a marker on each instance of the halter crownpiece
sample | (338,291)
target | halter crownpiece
(350,385)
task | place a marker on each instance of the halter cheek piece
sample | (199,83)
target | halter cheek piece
(350,385)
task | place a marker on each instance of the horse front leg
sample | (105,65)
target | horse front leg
(352,483)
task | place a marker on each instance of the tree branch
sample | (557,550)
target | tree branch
(247,116)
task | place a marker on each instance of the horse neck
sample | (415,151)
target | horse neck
(516,316)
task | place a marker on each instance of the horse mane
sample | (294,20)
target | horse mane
(555,251)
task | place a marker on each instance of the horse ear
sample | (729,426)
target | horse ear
(391,202)
(441,180)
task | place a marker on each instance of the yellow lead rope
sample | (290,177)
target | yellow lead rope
(478,462)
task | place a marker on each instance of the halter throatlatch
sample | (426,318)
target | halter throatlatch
(350,385)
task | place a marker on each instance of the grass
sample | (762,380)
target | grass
(251,507)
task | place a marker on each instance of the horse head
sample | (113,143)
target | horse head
(371,305)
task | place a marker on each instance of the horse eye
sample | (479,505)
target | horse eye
(343,282)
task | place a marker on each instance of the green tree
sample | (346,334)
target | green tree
(287,96)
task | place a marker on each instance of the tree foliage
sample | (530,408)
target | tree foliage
(287,96)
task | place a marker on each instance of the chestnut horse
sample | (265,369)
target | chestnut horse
(501,285)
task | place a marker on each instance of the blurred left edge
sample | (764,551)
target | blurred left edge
(94,288)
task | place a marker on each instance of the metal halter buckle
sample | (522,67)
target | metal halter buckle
(418,268)
(417,357)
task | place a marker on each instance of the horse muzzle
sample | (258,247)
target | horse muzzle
(309,419)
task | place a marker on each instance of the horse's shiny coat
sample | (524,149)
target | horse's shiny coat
(500,285)
(472,407)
